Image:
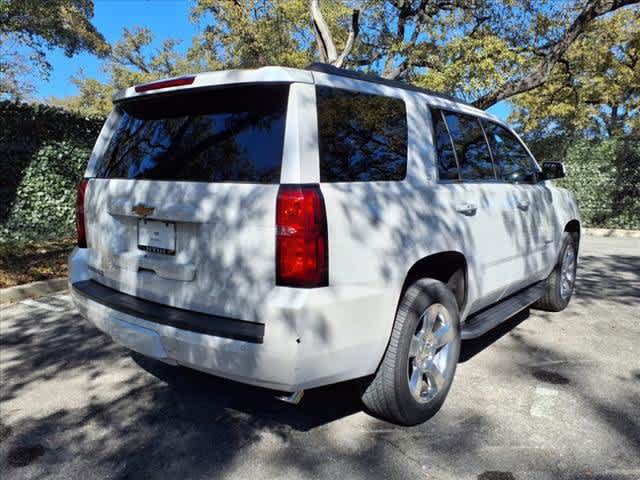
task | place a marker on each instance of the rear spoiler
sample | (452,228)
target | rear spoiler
(212,79)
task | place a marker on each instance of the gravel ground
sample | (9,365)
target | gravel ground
(545,396)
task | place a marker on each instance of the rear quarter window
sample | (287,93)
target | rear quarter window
(447,164)
(230,134)
(362,137)
(472,150)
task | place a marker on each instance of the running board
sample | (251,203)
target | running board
(481,322)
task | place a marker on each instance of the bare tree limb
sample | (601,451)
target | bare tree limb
(592,10)
(397,72)
(326,45)
(353,34)
(321,48)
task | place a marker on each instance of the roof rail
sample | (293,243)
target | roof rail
(343,72)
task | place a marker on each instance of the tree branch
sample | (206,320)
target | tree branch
(353,34)
(592,10)
(405,12)
(326,45)
(397,72)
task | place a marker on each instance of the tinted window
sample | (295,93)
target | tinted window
(447,166)
(471,147)
(513,163)
(362,137)
(234,134)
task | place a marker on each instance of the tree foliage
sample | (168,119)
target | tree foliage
(595,90)
(29,28)
(254,33)
(234,34)
(484,51)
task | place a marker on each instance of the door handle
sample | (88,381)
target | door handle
(468,209)
(523,205)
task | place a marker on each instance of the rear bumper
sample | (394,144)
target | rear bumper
(175,317)
(235,359)
(318,337)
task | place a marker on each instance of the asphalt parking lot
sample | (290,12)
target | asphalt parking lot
(545,396)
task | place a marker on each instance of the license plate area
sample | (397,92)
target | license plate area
(156,236)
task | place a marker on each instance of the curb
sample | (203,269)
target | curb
(611,233)
(32,290)
(46,287)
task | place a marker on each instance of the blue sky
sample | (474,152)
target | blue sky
(166,18)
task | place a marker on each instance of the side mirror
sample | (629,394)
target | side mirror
(551,170)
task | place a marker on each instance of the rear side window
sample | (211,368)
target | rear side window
(362,137)
(231,134)
(447,165)
(513,162)
(471,147)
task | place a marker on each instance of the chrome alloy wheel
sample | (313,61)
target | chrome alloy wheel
(430,354)
(567,272)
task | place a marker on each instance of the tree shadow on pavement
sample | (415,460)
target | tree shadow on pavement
(85,404)
(140,418)
(471,348)
(611,277)
(320,405)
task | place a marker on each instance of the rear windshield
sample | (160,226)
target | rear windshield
(231,134)
(362,137)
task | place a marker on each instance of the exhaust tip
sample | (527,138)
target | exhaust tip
(292,398)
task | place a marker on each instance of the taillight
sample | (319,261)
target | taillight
(173,82)
(80,223)
(302,258)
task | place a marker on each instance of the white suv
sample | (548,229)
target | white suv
(295,228)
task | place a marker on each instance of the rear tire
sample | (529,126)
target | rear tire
(418,367)
(560,284)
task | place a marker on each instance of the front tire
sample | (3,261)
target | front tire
(559,285)
(418,367)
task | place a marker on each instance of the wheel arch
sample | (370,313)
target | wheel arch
(449,267)
(573,228)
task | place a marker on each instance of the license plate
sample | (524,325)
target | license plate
(157,237)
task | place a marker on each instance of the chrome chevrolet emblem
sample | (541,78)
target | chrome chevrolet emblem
(142,210)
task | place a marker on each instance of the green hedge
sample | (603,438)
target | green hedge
(44,152)
(605,177)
